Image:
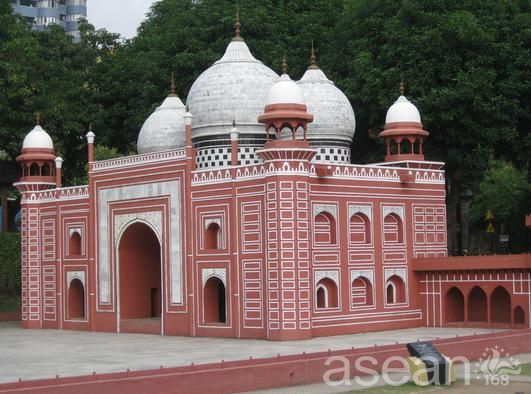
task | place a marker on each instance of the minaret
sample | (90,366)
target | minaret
(287,155)
(37,160)
(403,133)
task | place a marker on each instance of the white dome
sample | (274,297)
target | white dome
(164,129)
(37,139)
(285,91)
(234,88)
(333,116)
(402,111)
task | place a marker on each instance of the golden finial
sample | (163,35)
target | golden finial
(237,26)
(313,60)
(37,118)
(173,89)
(402,88)
(284,66)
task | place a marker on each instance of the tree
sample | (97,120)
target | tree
(464,67)
(504,191)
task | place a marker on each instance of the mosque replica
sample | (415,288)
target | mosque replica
(241,216)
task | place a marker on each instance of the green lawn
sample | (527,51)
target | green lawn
(9,303)
(526,369)
(405,388)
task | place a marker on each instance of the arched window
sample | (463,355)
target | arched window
(326,294)
(519,315)
(286,133)
(46,171)
(35,170)
(393,229)
(212,236)
(74,244)
(393,147)
(214,301)
(360,229)
(325,228)
(395,290)
(416,147)
(454,306)
(361,292)
(500,305)
(76,300)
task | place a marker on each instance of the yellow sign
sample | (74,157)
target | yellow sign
(490,215)
(490,228)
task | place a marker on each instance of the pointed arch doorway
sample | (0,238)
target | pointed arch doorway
(140,280)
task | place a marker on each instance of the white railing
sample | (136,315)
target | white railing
(128,161)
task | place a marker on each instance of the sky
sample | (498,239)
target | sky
(118,16)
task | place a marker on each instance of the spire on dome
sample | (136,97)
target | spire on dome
(313,60)
(173,89)
(284,66)
(237,26)
(402,88)
(37,118)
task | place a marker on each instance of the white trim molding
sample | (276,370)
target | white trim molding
(220,273)
(364,209)
(331,209)
(71,275)
(399,211)
(367,273)
(333,275)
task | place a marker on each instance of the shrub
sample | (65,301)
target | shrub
(9,263)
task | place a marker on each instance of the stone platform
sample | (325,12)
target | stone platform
(43,354)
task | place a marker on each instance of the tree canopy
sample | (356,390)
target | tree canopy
(465,65)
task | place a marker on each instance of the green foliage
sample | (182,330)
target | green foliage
(503,190)
(465,65)
(9,263)
(101,152)
(45,72)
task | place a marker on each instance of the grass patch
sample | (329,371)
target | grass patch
(526,369)
(9,303)
(409,387)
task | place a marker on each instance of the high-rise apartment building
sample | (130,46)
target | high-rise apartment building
(42,13)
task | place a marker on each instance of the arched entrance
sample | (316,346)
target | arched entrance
(76,300)
(500,306)
(454,310)
(214,301)
(477,305)
(395,290)
(140,280)
(519,315)
(326,294)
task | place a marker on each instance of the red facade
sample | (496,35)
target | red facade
(290,247)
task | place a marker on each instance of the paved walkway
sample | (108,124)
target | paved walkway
(37,354)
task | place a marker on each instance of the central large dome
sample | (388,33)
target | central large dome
(234,88)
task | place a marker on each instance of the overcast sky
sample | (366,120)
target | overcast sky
(118,16)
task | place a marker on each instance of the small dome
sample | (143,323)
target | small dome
(164,129)
(234,87)
(37,139)
(402,111)
(285,91)
(333,114)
